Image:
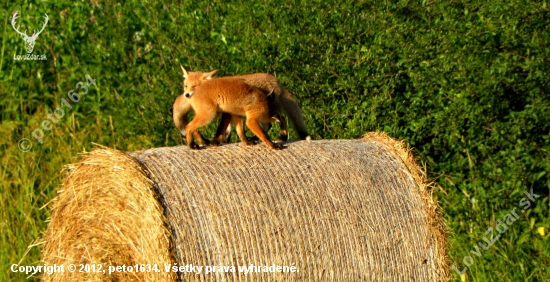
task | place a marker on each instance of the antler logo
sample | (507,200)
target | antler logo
(29,40)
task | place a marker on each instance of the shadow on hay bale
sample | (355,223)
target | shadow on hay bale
(336,210)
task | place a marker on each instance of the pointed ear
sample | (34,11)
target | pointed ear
(210,75)
(184,72)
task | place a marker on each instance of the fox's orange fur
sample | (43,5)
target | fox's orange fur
(234,97)
(266,82)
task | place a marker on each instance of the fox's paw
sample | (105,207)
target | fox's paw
(214,143)
(204,143)
(249,143)
(193,146)
(277,146)
(252,139)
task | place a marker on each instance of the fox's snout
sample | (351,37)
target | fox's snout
(188,94)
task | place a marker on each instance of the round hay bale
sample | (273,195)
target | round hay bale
(327,210)
(106,213)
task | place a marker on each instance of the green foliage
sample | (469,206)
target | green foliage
(464,82)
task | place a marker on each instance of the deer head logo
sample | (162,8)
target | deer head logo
(29,40)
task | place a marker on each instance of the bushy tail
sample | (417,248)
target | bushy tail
(292,110)
(181,108)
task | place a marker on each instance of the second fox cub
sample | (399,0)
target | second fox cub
(232,96)
(283,101)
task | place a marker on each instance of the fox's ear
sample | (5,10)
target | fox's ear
(184,72)
(210,75)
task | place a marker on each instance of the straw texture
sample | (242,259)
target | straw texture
(106,213)
(337,210)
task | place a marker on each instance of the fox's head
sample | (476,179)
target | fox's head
(193,79)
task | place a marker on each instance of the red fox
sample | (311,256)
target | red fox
(265,82)
(236,98)
(182,106)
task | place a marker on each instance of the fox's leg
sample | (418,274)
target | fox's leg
(238,122)
(283,135)
(201,119)
(266,127)
(181,108)
(200,139)
(254,125)
(227,134)
(222,129)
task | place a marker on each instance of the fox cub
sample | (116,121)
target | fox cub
(236,98)
(283,101)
